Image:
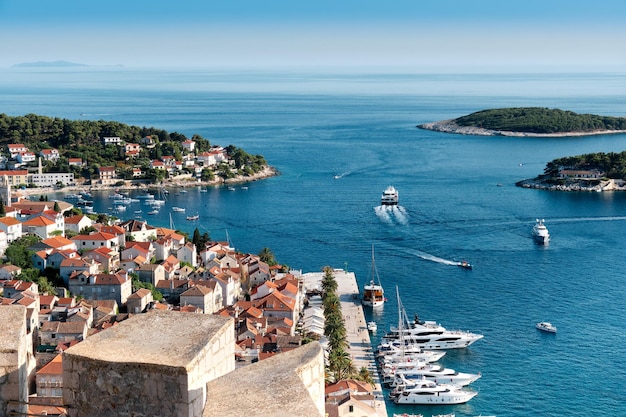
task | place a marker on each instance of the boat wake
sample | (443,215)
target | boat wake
(433,258)
(392,214)
(339,176)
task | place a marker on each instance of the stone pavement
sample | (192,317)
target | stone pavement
(357,335)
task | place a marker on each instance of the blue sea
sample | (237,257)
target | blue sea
(458,202)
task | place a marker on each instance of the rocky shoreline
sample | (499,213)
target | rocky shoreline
(449,126)
(547,183)
(181,181)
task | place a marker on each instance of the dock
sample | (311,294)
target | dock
(357,336)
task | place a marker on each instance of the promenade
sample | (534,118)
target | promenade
(358,337)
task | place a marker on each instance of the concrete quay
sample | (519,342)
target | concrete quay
(357,335)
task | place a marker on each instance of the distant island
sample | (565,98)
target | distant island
(529,122)
(589,172)
(45,64)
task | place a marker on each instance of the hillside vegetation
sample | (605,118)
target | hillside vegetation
(540,120)
(83,139)
(613,164)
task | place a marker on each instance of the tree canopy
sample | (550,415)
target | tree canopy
(540,120)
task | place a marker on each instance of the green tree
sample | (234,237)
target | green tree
(266,255)
(2,210)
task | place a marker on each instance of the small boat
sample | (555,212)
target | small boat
(389,197)
(178,209)
(444,415)
(545,326)
(465,264)
(373,293)
(153,212)
(407,415)
(372,326)
(138,211)
(244,188)
(196,217)
(540,233)
(231,188)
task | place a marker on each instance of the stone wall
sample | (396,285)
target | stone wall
(288,384)
(151,364)
(13,359)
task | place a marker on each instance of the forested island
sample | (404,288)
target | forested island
(156,154)
(589,172)
(529,121)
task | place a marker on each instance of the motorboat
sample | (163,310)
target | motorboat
(178,209)
(540,233)
(427,392)
(396,355)
(153,212)
(373,293)
(431,335)
(545,326)
(196,217)
(372,326)
(433,372)
(444,415)
(407,415)
(389,197)
(465,264)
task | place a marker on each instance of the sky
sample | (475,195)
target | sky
(408,35)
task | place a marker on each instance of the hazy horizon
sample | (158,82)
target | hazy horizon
(449,36)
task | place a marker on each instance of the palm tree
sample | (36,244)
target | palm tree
(266,255)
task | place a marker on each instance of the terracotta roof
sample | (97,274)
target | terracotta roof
(38,221)
(141,293)
(95,236)
(58,241)
(9,221)
(73,219)
(198,290)
(54,367)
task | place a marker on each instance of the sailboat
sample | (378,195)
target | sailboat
(373,293)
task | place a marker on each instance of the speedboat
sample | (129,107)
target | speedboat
(372,326)
(428,392)
(465,264)
(389,197)
(540,233)
(545,326)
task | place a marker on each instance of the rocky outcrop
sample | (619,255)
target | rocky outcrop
(450,126)
(547,183)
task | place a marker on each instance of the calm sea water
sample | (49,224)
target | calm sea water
(313,126)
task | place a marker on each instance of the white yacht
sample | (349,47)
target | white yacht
(545,326)
(372,326)
(389,197)
(432,372)
(392,353)
(540,233)
(428,392)
(431,335)
(373,293)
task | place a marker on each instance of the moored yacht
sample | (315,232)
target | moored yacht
(428,392)
(432,372)
(431,335)
(540,233)
(389,197)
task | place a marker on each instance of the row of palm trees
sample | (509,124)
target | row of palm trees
(339,362)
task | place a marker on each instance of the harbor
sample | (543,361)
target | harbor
(357,334)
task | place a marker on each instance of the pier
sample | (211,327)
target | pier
(357,335)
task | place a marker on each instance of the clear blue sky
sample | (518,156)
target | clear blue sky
(412,35)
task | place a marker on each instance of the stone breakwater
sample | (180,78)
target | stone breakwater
(450,126)
(542,183)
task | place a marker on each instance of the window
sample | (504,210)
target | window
(351,409)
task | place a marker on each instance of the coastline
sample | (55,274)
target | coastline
(181,181)
(449,126)
(542,183)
